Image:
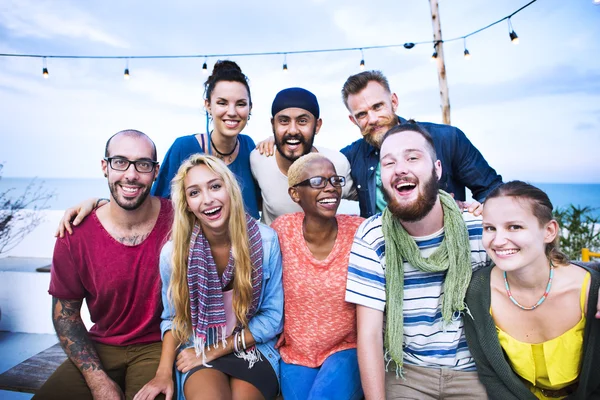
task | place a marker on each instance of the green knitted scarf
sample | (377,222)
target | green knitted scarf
(453,255)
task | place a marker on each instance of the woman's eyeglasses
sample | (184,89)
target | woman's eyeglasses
(319,182)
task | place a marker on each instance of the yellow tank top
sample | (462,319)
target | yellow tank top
(553,364)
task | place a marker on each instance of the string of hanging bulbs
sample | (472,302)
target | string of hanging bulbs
(514,38)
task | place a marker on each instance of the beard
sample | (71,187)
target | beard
(127,204)
(373,136)
(418,209)
(305,145)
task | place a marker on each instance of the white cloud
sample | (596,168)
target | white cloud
(50,19)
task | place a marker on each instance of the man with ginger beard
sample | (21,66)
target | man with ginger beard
(411,266)
(372,107)
(296,120)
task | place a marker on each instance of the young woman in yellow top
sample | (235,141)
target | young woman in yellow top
(529,311)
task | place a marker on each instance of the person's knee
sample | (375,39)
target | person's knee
(142,368)
(296,381)
(338,378)
(66,381)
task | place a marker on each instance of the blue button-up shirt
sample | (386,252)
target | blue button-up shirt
(462,166)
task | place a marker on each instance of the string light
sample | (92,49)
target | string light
(126,72)
(285,68)
(511,32)
(435,54)
(466,52)
(406,45)
(45,69)
(362,60)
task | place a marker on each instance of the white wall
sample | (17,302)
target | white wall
(24,300)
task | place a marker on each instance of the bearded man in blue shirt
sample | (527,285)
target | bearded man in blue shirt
(372,107)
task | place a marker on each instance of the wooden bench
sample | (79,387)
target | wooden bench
(31,374)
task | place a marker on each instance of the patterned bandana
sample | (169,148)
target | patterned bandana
(206,289)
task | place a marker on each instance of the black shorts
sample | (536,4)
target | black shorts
(261,375)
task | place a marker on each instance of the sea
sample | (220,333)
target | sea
(70,191)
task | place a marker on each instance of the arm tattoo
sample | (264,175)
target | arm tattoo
(133,240)
(73,335)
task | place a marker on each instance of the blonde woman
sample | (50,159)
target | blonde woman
(222,292)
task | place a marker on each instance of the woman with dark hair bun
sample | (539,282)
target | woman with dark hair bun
(228,101)
(531,327)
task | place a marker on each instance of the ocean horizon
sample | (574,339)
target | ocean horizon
(71,191)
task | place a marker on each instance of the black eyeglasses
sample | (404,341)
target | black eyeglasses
(319,182)
(122,164)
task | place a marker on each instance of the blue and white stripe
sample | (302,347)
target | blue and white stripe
(428,341)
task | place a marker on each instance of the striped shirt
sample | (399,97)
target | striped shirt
(428,342)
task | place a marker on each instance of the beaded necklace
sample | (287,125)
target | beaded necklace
(540,301)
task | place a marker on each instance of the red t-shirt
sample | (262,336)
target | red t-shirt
(121,284)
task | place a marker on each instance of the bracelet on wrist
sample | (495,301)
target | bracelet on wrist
(243,338)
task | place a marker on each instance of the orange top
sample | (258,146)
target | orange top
(317,320)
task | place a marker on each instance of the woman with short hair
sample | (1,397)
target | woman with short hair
(318,343)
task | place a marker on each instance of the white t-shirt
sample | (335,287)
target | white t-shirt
(274,184)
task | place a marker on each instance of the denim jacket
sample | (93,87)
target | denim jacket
(266,324)
(462,165)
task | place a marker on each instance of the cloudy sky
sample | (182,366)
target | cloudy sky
(533,109)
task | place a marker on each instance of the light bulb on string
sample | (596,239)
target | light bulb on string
(126,72)
(205,67)
(285,67)
(466,52)
(44,69)
(362,60)
(434,56)
(514,38)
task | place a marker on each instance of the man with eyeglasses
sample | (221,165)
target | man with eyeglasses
(295,121)
(112,261)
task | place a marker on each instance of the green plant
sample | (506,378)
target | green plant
(578,229)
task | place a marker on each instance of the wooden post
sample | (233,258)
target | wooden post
(441,66)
